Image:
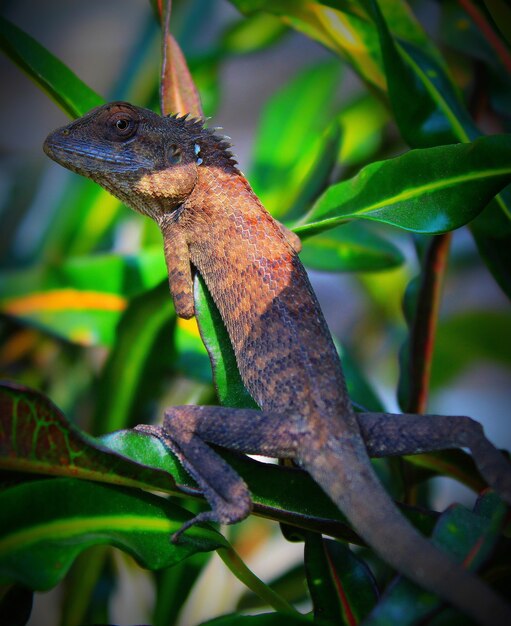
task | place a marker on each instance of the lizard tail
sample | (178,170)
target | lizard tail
(359,495)
(493,465)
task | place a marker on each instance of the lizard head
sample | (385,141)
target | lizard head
(148,161)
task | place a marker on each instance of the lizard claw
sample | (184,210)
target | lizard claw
(205,516)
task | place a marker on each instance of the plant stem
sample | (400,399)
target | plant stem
(487,31)
(233,561)
(422,332)
(422,341)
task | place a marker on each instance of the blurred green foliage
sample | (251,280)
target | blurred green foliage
(95,331)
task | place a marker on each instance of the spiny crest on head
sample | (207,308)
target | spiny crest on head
(209,146)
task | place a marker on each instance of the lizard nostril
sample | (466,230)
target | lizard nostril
(65,132)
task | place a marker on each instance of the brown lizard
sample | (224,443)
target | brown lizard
(184,177)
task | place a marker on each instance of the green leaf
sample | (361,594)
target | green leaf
(429,111)
(468,537)
(287,143)
(492,233)
(54,78)
(47,523)
(342,588)
(78,232)
(283,494)
(501,14)
(426,104)
(251,34)
(206,75)
(230,388)
(344,26)
(265,619)
(455,464)
(140,356)
(37,438)
(362,121)
(360,390)
(173,586)
(82,299)
(82,580)
(316,179)
(432,190)
(469,337)
(192,358)
(352,248)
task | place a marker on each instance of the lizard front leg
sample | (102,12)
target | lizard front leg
(177,257)
(387,434)
(187,430)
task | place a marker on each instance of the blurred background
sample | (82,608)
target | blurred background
(114,47)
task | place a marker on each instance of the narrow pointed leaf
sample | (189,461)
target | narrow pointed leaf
(178,93)
(492,233)
(141,355)
(342,588)
(229,386)
(192,358)
(265,619)
(318,176)
(432,190)
(360,389)
(426,104)
(287,143)
(47,523)
(173,586)
(57,80)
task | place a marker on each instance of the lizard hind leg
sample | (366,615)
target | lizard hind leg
(187,430)
(225,491)
(387,434)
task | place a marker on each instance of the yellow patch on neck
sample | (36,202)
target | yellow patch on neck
(173,184)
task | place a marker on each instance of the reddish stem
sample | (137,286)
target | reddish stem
(487,31)
(422,333)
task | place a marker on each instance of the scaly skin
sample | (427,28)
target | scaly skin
(183,177)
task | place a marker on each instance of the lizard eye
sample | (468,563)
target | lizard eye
(175,154)
(122,126)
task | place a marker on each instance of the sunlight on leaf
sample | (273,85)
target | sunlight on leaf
(432,190)
(47,523)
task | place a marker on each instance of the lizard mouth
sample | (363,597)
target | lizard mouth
(84,159)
